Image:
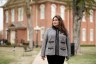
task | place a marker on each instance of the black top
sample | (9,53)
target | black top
(56,40)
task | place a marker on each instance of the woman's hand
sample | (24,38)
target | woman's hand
(67,58)
(43,57)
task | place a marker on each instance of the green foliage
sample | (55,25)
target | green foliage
(80,5)
(35,1)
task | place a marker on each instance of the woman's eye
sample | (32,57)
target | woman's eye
(55,20)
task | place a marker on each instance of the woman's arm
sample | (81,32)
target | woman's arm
(68,46)
(44,43)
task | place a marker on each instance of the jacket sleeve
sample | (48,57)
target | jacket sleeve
(68,46)
(44,42)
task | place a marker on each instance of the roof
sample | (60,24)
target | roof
(53,1)
(13,2)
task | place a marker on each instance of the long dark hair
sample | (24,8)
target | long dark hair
(61,25)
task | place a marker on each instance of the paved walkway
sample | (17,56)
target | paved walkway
(38,60)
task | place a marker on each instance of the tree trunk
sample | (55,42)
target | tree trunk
(30,34)
(77,16)
(76,32)
(29,24)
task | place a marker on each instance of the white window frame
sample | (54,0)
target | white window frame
(12,15)
(91,16)
(62,12)
(6,16)
(42,11)
(20,14)
(53,10)
(91,34)
(83,34)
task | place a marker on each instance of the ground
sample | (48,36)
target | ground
(9,55)
(87,55)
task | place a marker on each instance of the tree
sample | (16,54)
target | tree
(29,24)
(78,7)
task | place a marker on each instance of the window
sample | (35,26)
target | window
(12,15)
(91,15)
(53,10)
(42,11)
(62,12)
(83,34)
(91,34)
(83,18)
(6,15)
(20,14)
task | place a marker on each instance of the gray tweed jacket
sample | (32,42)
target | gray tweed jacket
(48,44)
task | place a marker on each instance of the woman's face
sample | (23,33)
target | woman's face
(55,22)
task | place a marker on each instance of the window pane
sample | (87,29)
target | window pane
(91,15)
(6,14)
(62,12)
(53,10)
(20,14)
(42,11)
(91,35)
(12,15)
(83,34)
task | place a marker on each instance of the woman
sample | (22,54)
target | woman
(56,45)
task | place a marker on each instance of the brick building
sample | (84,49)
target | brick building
(15,21)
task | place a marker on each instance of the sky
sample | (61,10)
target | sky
(1,14)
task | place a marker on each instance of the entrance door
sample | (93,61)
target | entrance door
(12,37)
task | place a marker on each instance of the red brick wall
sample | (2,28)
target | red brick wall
(21,34)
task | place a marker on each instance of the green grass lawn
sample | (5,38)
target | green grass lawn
(87,56)
(7,55)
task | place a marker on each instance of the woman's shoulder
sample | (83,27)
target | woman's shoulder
(48,29)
